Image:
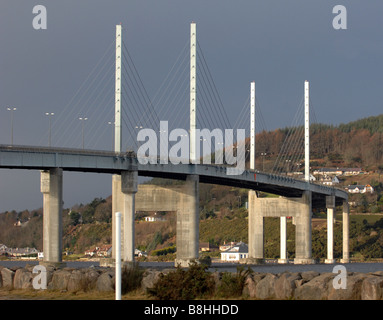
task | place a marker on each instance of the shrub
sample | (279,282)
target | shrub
(131,277)
(164,251)
(181,284)
(232,284)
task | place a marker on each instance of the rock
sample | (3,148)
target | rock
(149,279)
(308,275)
(105,282)
(90,279)
(60,280)
(7,276)
(249,289)
(29,267)
(22,279)
(372,288)
(315,289)
(265,289)
(352,291)
(76,281)
(286,284)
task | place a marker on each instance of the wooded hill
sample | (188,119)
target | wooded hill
(355,144)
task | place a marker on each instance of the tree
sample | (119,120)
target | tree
(75,218)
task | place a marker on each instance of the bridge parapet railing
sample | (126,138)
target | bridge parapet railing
(40,149)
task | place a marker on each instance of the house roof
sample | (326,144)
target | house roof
(240,247)
(359,186)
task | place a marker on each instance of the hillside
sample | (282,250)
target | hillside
(356,144)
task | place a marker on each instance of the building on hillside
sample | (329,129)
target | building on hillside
(328,171)
(226,246)
(92,252)
(337,171)
(352,171)
(17,224)
(154,217)
(105,251)
(330,181)
(360,189)
(236,252)
(207,247)
(3,249)
(139,253)
(21,252)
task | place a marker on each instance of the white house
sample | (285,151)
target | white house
(3,249)
(236,252)
(154,217)
(139,253)
(331,181)
(360,188)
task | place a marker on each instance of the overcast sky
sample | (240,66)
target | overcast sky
(277,44)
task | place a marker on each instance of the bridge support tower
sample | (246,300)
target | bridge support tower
(346,233)
(299,208)
(124,188)
(303,213)
(330,205)
(188,223)
(51,185)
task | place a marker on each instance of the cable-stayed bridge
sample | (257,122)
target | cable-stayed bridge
(191,102)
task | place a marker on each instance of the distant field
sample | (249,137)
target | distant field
(371,218)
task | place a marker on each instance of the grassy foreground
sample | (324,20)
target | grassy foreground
(30,294)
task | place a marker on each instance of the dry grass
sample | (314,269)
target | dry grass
(30,294)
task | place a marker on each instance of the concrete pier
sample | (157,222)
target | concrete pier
(303,248)
(128,189)
(51,185)
(283,243)
(188,223)
(124,188)
(256,230)
(346,233)
(330,205)
(299,208)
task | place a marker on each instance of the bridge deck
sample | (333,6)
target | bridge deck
(40,158)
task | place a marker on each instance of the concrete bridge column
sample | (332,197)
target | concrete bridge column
(51,185)
(346,236)
(129,189)
(256,230)
(283,256)
(330,204)
(188,223)
(124,188)
(303,249)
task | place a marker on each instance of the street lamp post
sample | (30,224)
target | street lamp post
(263,154)
(82,122)
(50,114)
(11,109)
